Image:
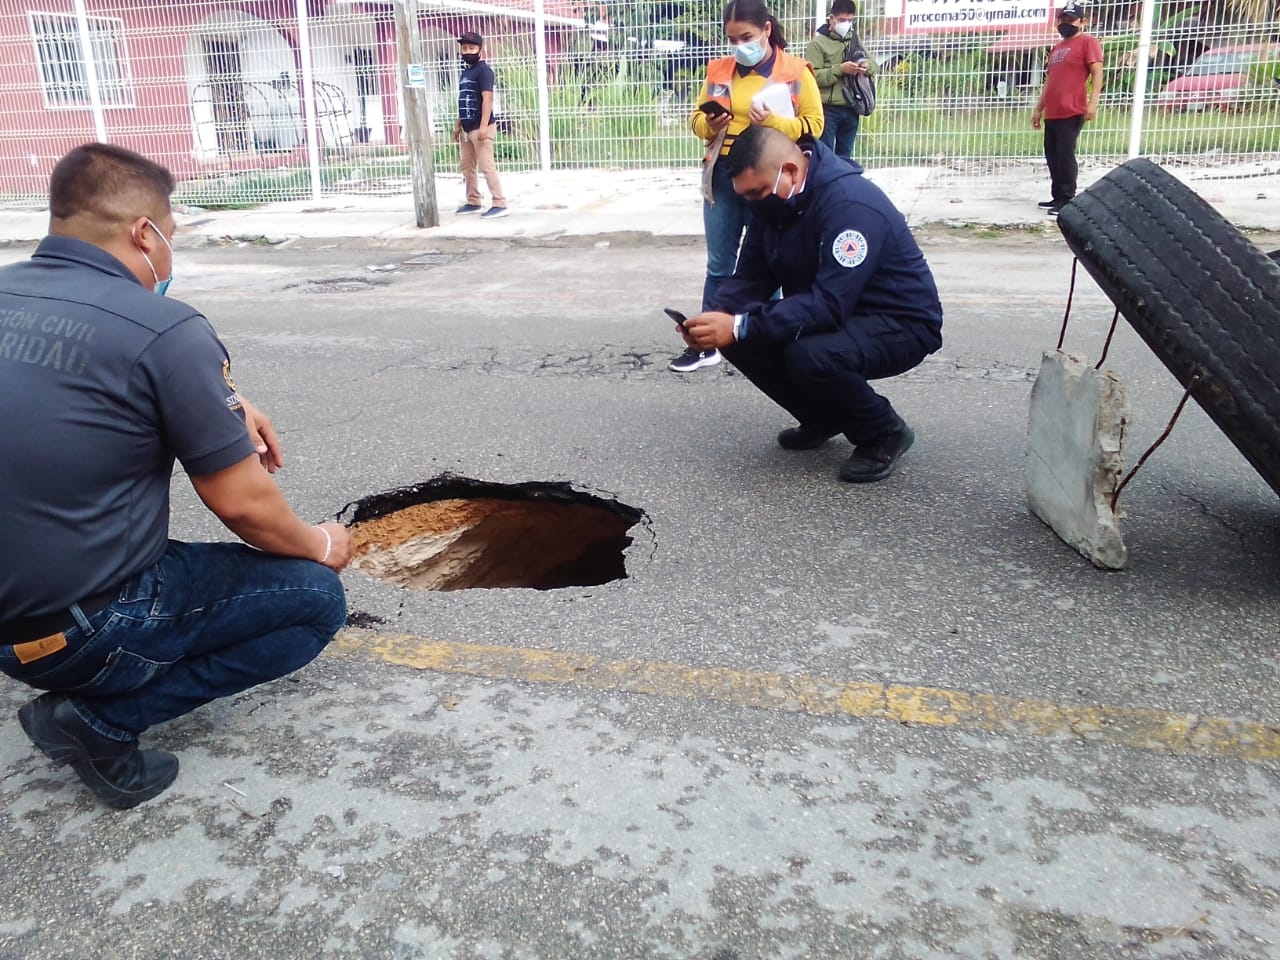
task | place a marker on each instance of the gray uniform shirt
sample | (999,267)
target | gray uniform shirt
(102,385)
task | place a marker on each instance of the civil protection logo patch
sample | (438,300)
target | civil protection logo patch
(849,248)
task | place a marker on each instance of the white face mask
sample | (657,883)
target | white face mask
(842,27)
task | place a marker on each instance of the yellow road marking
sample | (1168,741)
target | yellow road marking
(1158,731)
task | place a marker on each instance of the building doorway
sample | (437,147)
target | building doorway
(226,86)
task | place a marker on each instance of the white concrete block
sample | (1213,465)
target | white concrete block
(1075,455)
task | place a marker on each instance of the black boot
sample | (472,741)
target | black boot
(877,458)
(119,774)
(805,437)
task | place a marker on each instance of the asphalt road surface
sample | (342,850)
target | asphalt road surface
(814,720)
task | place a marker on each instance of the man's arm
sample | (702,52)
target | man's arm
(245,498)
(1095,90)
(827,74)
(262,434)
(486,108)
(753,280)
(852,239)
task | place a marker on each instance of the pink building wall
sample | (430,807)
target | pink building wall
(159,122)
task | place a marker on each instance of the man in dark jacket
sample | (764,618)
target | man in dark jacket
(864,308)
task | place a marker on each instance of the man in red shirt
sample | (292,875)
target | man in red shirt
(1072,85)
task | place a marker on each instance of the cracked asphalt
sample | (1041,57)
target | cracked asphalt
(646,768)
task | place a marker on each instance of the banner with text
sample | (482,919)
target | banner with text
(974,14)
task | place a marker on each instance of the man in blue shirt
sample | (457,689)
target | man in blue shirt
(475,129)
(105,382)
(865,307)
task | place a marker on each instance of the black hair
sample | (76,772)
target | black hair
(757,14)
(748,149)
(844,6)
(94,176)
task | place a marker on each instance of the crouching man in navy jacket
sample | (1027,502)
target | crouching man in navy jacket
(859,301)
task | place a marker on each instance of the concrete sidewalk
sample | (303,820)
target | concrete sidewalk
(666,203)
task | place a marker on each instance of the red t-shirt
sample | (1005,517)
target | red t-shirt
(1064,87)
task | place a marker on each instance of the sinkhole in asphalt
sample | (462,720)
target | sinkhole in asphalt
(455,533)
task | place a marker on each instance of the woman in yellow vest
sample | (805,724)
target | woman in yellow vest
(758,60)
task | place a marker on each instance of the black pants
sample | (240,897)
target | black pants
(1060,138)
(821,379)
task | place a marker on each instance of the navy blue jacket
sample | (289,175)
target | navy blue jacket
(846,252)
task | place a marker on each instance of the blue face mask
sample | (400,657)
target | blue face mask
(748,54)
(161,286)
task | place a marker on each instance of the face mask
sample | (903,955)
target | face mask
(1068,30)
(773,208)
(161,286)
(747,54)
(470,59)
(842,27)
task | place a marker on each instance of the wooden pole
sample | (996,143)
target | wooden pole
(417,118)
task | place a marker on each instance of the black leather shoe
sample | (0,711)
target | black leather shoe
(804,438)
(877,459)
(120,774)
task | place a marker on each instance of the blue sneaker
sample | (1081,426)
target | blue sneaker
(493,213)
(468,208)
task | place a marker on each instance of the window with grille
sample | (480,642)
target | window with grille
(64,77)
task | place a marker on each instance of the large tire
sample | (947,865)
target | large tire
(1205,299)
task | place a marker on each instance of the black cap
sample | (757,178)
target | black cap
(1071,11)
(470,36)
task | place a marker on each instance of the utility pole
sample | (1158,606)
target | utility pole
(417,119)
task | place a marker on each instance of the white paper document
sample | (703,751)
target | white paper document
(777,97)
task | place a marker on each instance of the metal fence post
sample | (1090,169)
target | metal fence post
(1140,78)
(309,98)
(91,72)
(544,96)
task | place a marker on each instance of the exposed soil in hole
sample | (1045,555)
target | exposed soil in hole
(453,533)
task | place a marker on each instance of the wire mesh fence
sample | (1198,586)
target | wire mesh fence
(253,100)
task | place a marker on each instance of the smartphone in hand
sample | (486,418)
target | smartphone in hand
(678,317)
(712,109)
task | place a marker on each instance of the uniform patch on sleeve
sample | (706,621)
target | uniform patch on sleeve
(849,248)
(233,401)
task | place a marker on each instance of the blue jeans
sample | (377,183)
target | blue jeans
(839,127)
(821,379)
(724,223)
(207,621)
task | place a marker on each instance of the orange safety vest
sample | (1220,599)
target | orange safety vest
(786,69)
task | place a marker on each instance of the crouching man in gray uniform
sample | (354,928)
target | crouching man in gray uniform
(104,382)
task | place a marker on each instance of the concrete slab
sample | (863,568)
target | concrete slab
(1075,455)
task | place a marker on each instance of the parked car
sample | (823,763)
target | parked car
(1216,78)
